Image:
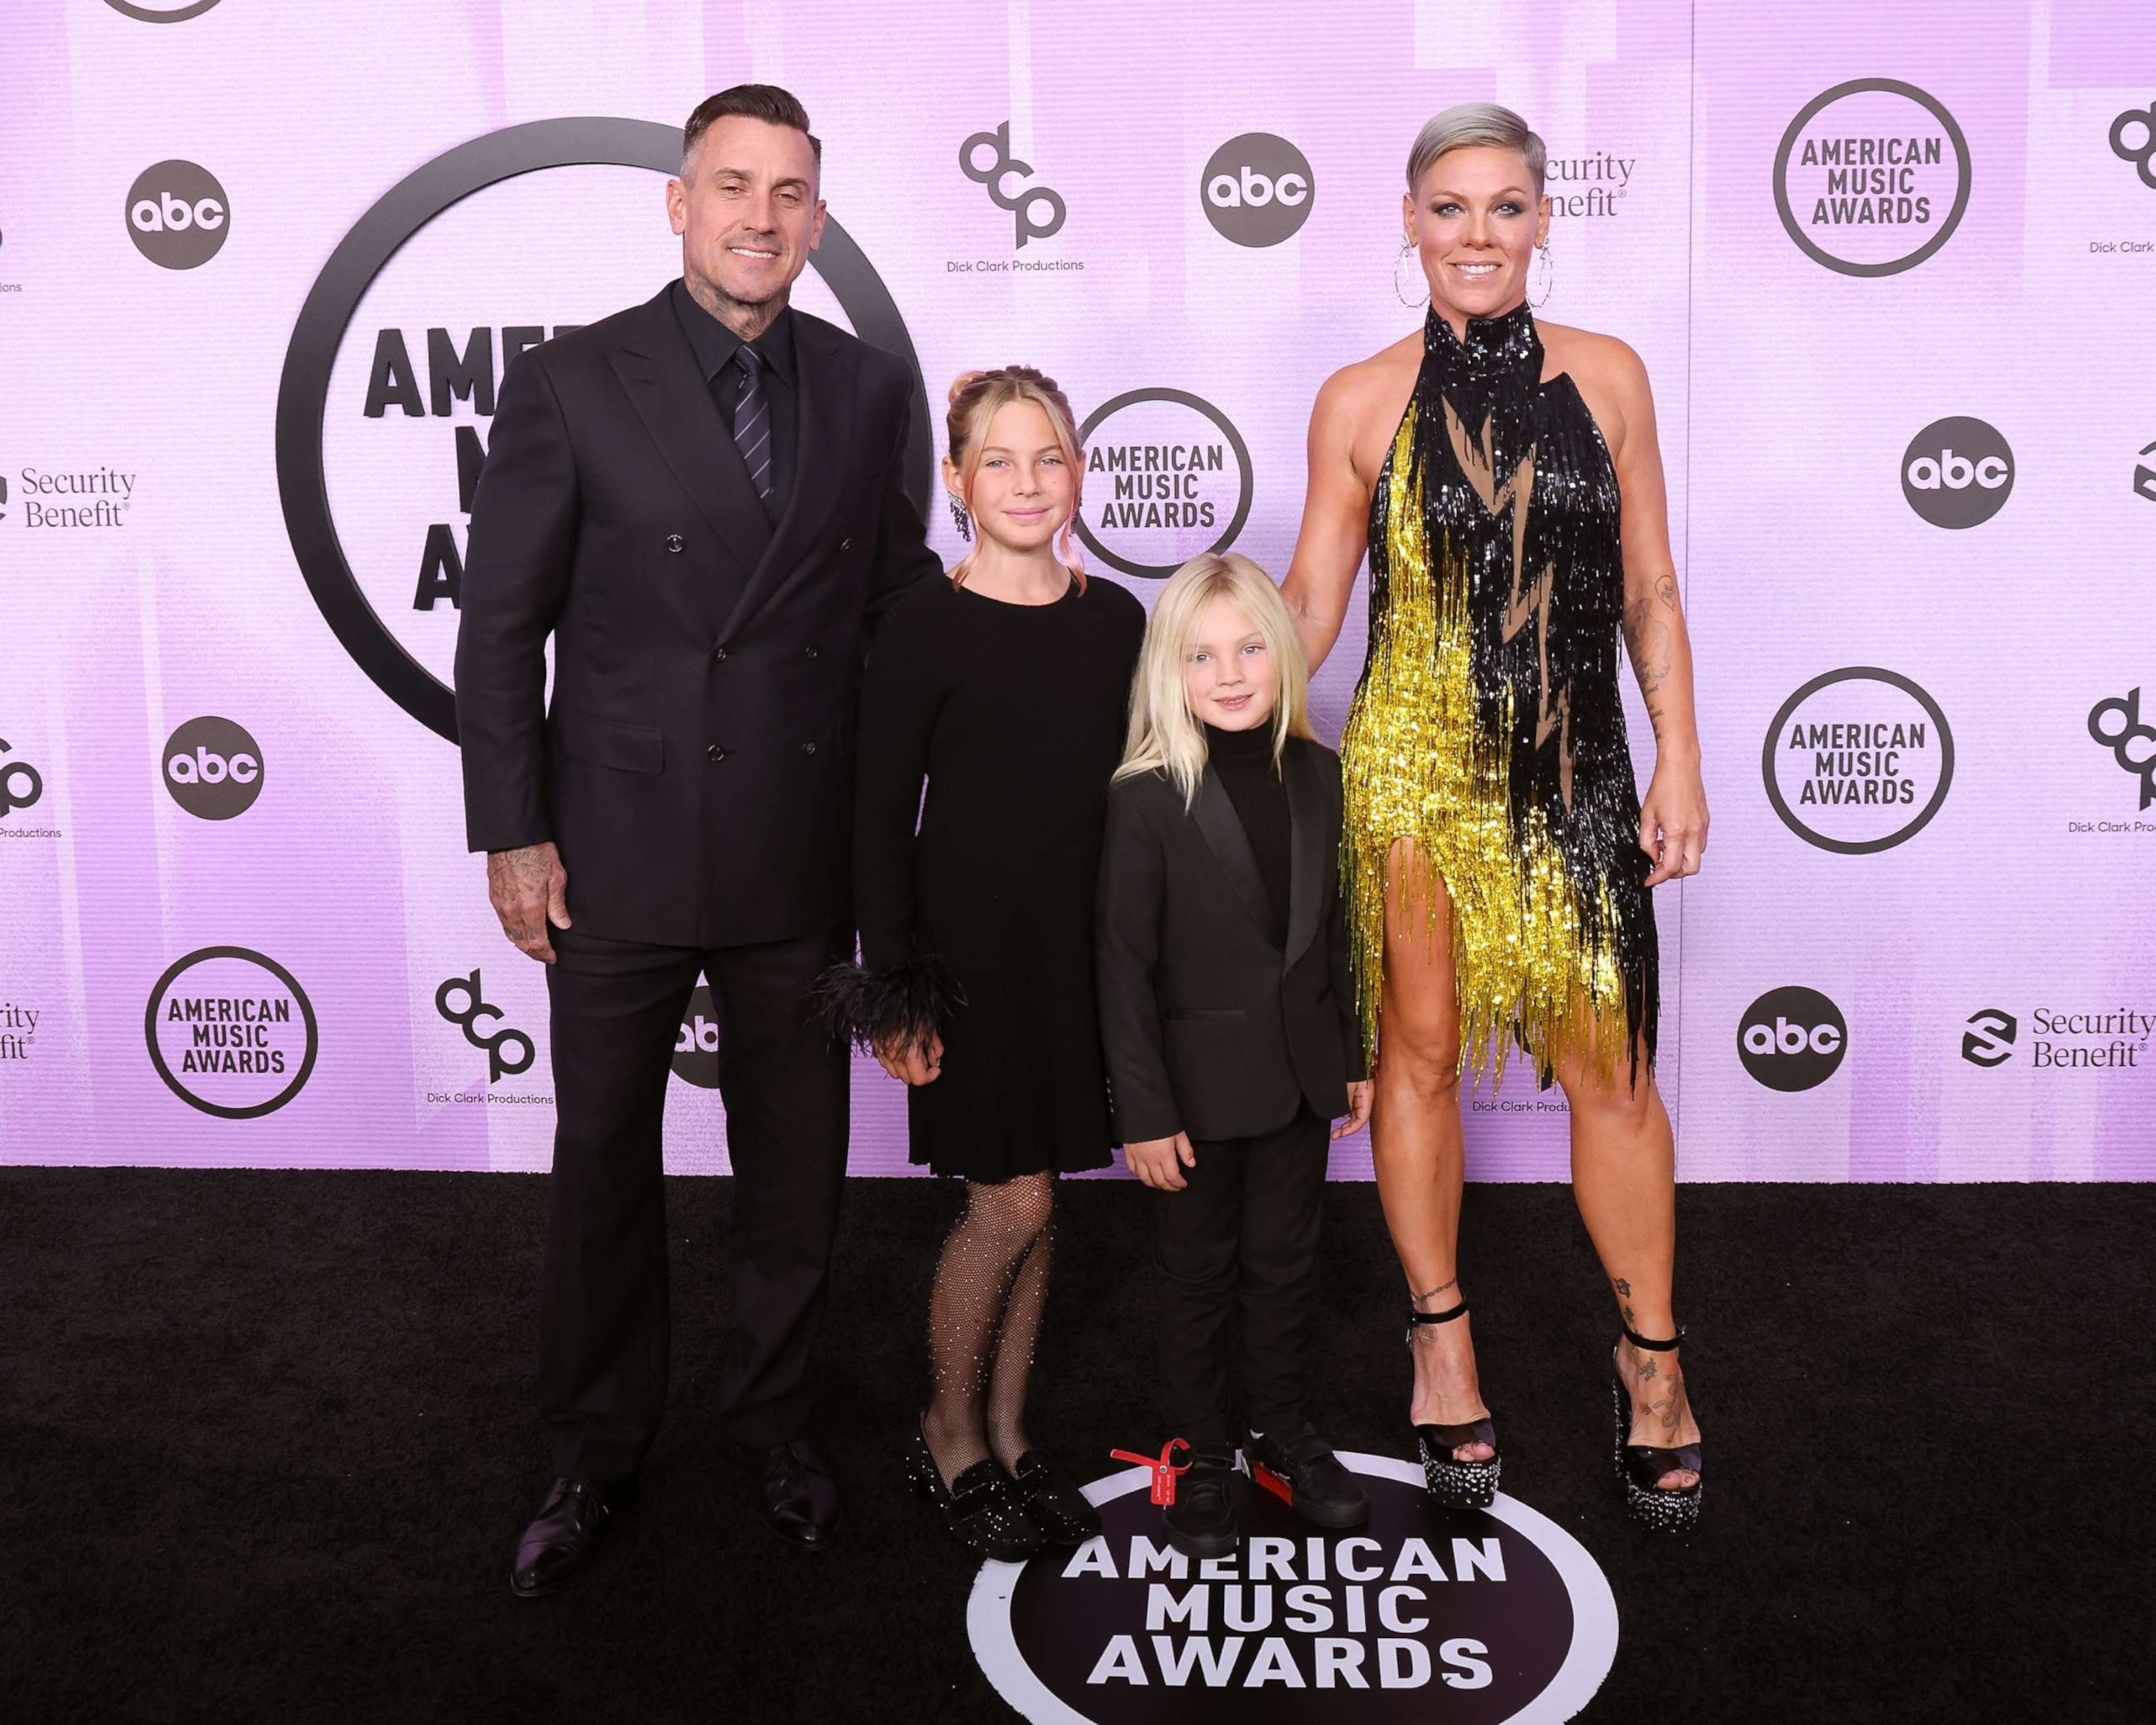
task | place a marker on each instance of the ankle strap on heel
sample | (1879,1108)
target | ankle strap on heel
(1445,1317)
(1640,1341)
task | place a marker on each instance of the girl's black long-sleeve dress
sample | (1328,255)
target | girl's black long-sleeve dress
(1015,717)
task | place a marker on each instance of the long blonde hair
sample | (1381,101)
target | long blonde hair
(976,399)
(1165,736)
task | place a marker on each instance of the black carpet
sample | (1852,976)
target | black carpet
(265,1442)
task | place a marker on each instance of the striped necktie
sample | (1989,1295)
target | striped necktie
(752,421)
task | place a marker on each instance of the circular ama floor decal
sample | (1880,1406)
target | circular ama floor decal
(1473,1617)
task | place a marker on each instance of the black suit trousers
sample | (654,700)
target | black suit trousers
(616,1011)
(1238,1251)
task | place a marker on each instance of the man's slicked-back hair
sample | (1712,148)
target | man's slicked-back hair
(754,101)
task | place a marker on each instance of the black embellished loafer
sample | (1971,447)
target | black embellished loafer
(1058,1508)
(800,1496)
(981,1506)
(1201,1522)
(561,1538)
(1301,1470)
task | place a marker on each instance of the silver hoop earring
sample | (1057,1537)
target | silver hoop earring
(1407,250)
(1549,275)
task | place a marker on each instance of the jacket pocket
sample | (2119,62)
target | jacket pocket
(628,748)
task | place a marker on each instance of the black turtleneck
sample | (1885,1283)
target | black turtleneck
(1244,759)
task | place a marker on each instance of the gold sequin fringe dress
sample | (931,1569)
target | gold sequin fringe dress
(1487,728)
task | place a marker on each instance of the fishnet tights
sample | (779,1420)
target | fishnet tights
(983,1320)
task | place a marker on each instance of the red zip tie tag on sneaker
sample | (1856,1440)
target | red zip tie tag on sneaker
(1163,1468)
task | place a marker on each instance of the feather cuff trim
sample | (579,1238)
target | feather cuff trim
(875,1009)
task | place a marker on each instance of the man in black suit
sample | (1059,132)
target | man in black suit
(701,499)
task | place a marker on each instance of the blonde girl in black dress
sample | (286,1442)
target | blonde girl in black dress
(1002,689)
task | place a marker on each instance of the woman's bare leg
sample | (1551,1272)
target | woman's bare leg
(1624,1176)
(1415,1140)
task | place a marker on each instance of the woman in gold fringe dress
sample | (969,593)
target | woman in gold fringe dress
(1504,478)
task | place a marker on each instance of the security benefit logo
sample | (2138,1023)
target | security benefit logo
(231,1032)
(1257,189)
(697,1044)
(1792,1039)
(213,769)
(1858,760)
(2116,724)
(2144,475)
(74,500)
(385,406)
(1958,472)
(1426,1615)
(18,1029)
(2105,1037)
(2133,139)
(178,215)
(1167,476)
(1872,177)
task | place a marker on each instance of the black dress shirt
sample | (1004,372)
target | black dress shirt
(715,346)
(1244,759)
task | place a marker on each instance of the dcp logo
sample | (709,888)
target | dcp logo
(1958,472)
(1792,1039)
(2116,724)
(2144,477)
(1021,203)
(21,784)
(696,1044)
(213,769)
(1988,1040)
(2133,139)
(466,1017)
(1257,189)
(178,215)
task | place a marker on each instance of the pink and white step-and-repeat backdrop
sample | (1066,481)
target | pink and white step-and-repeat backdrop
(1889,268)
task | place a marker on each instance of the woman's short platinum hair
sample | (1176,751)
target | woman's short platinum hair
(1472,126)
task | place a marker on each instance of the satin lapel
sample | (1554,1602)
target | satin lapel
(1223,828)
(824,362)
(1306,867)
(657,370)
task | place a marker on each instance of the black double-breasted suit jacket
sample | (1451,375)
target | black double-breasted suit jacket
(694,765)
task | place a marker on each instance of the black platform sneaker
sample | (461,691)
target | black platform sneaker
(1301,1470)
(1202,1520)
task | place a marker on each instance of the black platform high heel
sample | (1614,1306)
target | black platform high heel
(1641,1466)
(1460,1485)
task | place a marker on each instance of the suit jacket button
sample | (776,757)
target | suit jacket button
(718,655)
(716,751)
(845,545)
(673,541)
(808,748)
(808,652)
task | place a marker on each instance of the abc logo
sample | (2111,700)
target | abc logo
(213,769)
(1792,1039)
(696,1046)
(1958,472)
(178,215)
(1257,189)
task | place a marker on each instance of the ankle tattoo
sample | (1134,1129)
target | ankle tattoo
(1441,1288)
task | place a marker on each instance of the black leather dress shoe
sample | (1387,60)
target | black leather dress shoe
(1202,1519)
(1302,1467)
(800,1497)
(561,1538)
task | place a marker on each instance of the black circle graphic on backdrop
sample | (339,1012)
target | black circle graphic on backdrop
(1957,472)
(1770,754)
(401,212)
(162,15)
(1826,99)
(177,214)
(696,1043)
(178,968)
(1792,1039)
(1199,404)
(1297,1625)
(213,769)
(1257,189)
